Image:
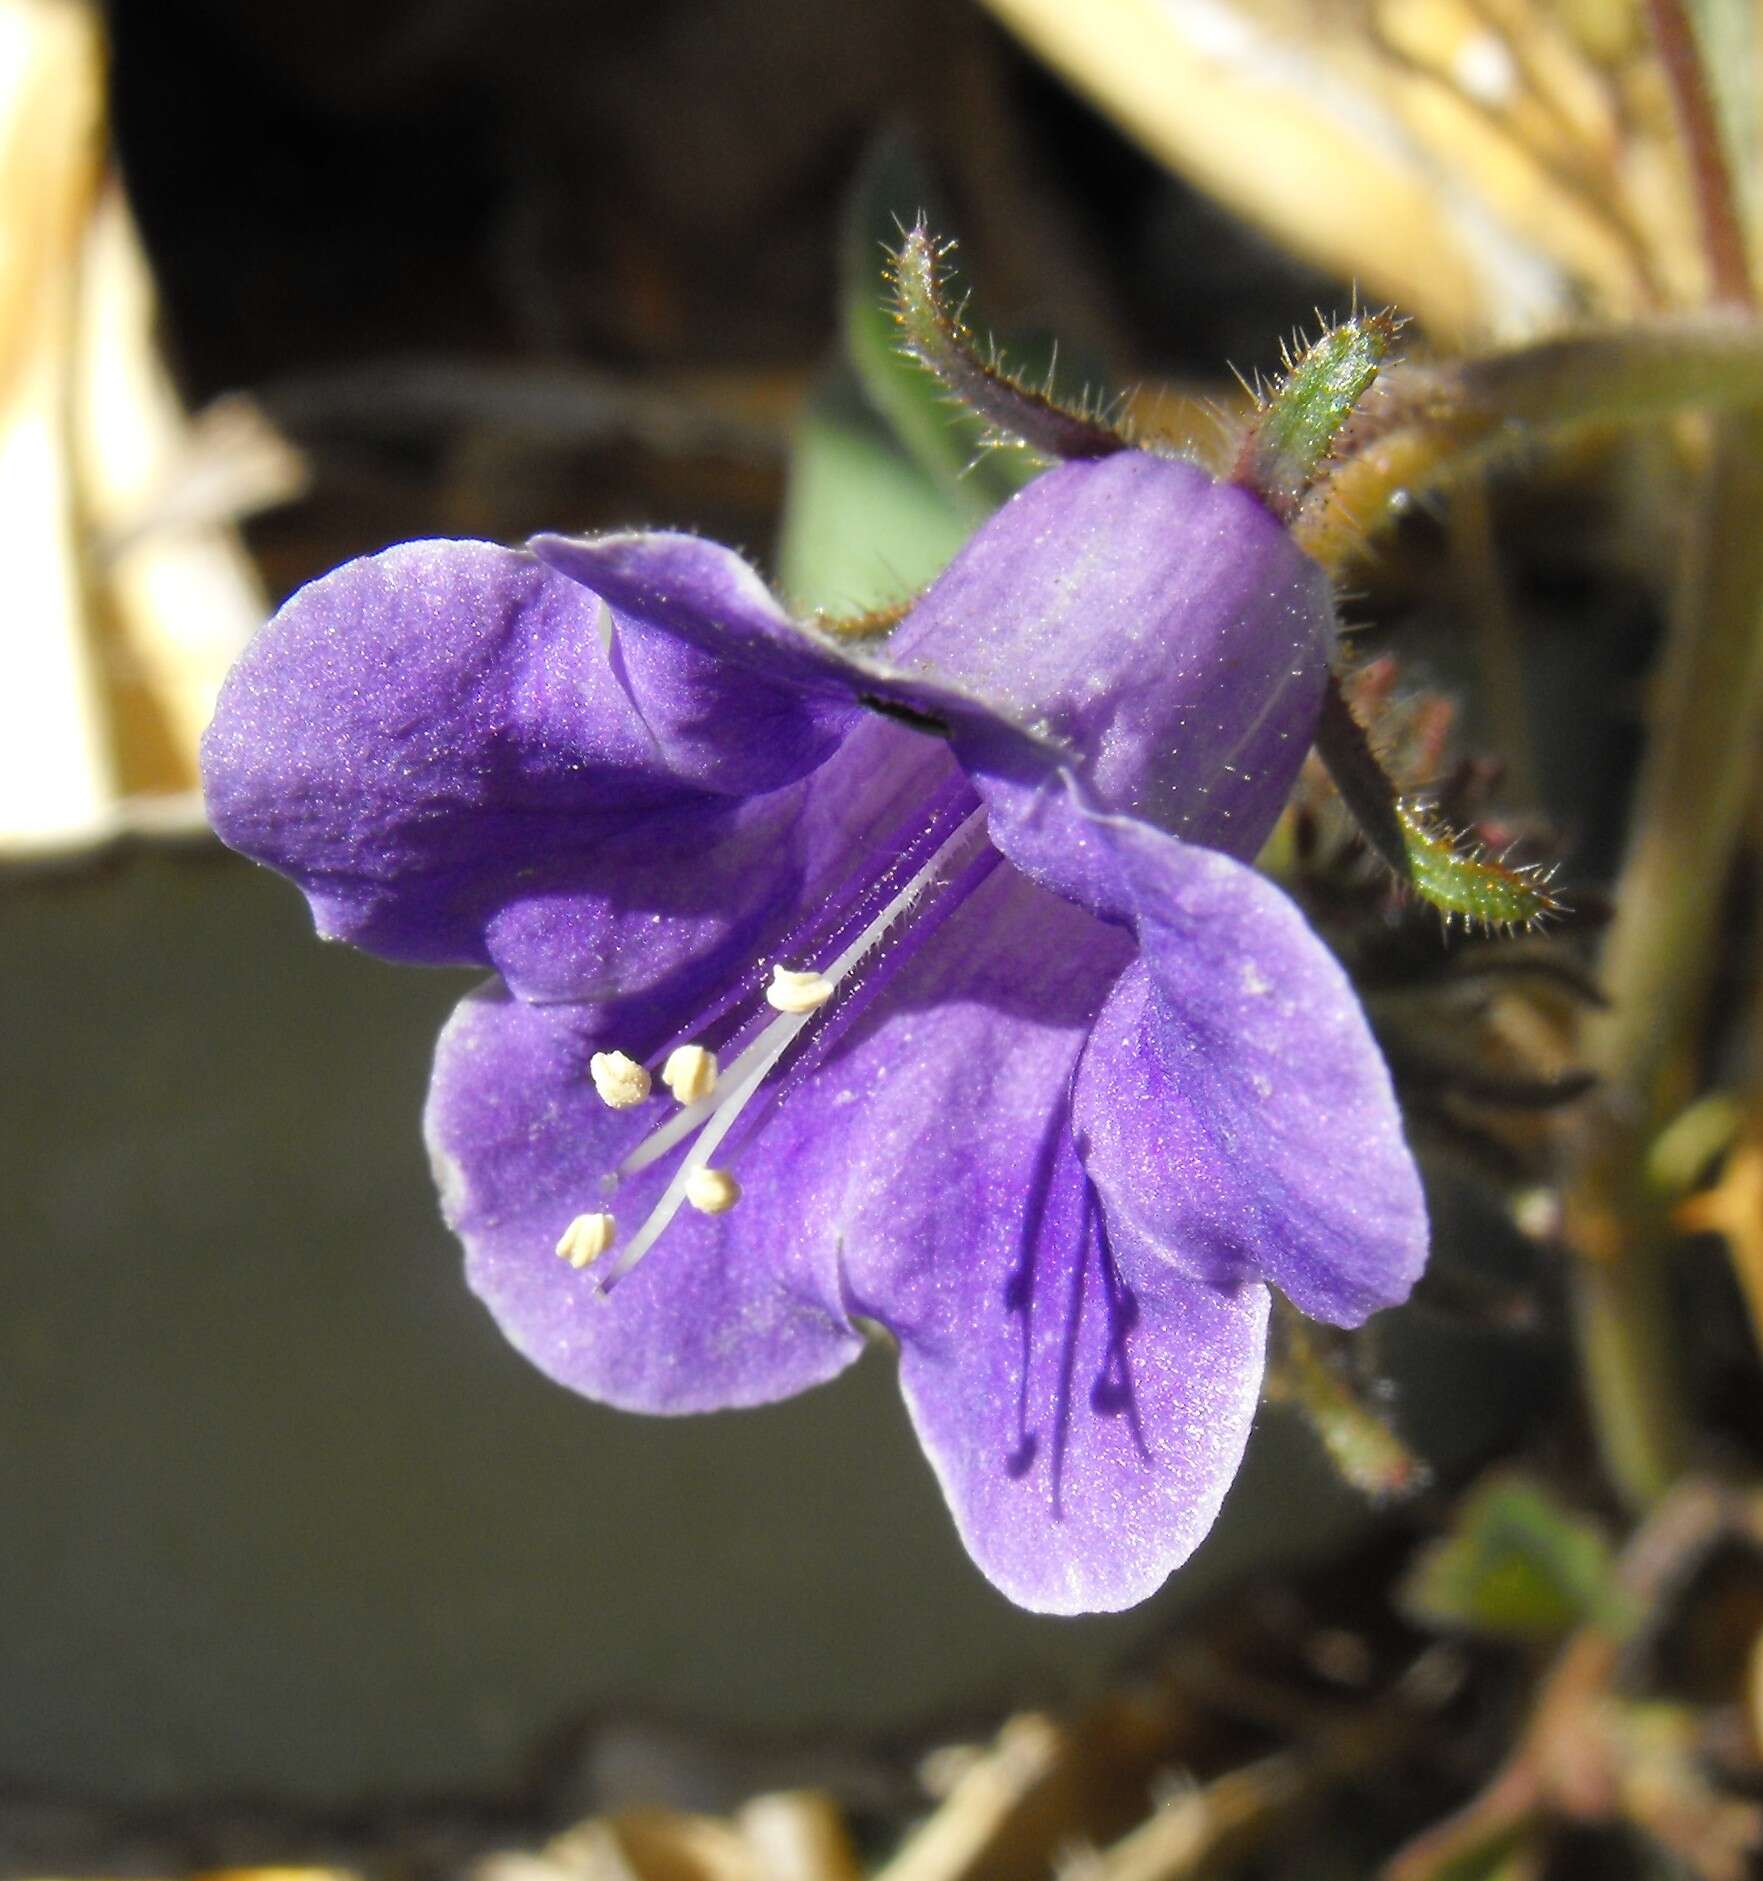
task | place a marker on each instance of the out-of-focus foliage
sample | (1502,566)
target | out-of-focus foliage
(1515,1565)
(889,475)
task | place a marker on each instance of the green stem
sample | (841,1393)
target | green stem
(1628,376)
(1629,1366)
(1659,960)
(1690,800)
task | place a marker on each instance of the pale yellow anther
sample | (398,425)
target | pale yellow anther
(791,991)
(690,1072)
(621,1081)
(586,1239)
(712,1191)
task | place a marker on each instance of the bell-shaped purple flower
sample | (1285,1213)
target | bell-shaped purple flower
(1013,1053)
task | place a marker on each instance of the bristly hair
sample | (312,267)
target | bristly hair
(1451,872)
(1018,415)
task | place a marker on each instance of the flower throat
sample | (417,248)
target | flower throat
(928,877)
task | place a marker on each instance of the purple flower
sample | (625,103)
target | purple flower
(1015,1056)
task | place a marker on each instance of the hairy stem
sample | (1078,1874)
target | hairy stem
(1421,425)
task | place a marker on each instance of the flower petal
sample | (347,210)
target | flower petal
(707,596)
(725,1311)
(1161,626)
(1127,622)
(434,743)
(1084,1406)
(1085,1410)
(676,899)
(692,662)
(1232,1105)
(683,586)
(983,1250)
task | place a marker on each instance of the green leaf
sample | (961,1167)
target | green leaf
(1517,1565)
(864,526)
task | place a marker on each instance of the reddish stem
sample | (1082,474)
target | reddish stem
(1723,236)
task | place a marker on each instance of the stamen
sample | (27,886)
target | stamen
(712,1191)
(586,1239)
(791,991)
(621,1081)
(756,1063)
(748,1072)
(690,1073)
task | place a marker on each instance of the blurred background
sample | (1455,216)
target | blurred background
(298,1561)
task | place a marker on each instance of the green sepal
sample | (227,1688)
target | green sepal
(1435,862)
(1296,425)
(1020,417)
(1463,882)
(946,442)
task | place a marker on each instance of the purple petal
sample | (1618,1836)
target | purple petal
(725,1310)
(665,900)
(679,585)
(1085,1410)
(1233,1106)
(691,660)
(1160,626)
(522,1141)
(1086,1444)
(1128,622)
(982,1248)
(435,745)
(706,595)
(674,906)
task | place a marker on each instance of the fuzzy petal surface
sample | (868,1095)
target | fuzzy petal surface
(1086,1447)
(725,1311)
(438,746)
(1233,1107)
(1084,1408)
(1128,623)
(1159,626)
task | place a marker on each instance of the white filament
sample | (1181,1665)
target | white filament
(755,1064)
